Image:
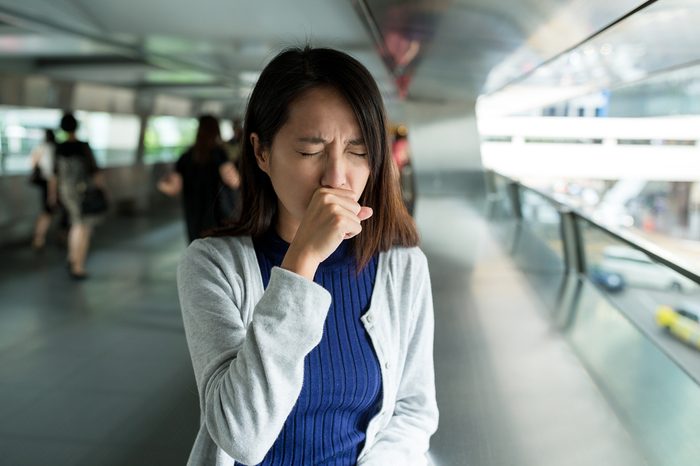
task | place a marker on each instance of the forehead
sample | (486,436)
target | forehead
(322,108)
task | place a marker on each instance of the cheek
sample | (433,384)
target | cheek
(360,177)
(294,187)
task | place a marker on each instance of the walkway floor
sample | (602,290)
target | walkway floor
(98,373)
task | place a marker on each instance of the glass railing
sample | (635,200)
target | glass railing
(628,308)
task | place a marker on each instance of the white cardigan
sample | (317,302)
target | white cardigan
(248,347)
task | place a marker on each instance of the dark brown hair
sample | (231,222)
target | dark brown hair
(290,74)
(68,123)
(208,137)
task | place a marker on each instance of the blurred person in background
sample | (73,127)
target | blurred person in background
(236,139)
(205,176)
(401,155)
(234,148)
(42,160)
(76,170)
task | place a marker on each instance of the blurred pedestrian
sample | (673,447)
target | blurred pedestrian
(401,155)
(76,171)
(42,162)
(204,175)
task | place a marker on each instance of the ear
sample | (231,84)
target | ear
(262,156)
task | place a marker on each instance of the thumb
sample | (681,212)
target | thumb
(365,213)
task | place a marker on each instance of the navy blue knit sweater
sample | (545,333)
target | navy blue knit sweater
(342,386)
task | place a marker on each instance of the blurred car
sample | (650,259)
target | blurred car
(637,269)
(683,322)
(610,281)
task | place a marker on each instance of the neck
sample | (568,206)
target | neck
(286,231)
(286,225)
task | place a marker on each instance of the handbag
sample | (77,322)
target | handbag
(36,178)
(94,201)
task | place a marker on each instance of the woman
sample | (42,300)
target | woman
(43,160)
(203,174)
(76,170)
(294,363)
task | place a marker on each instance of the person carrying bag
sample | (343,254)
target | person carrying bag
(81,189)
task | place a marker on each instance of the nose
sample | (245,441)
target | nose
(334,171)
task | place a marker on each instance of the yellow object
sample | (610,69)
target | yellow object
(681,327)
(665,316)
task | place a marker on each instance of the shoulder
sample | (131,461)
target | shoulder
(218,250)
(226,258)
(406,259)
(60,148)
(227,264)
(219,155)
(184,158)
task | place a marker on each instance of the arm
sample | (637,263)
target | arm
(248,377)
(405,438)
(229,175)
(170,184)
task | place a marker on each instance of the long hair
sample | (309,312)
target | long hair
(208,137)
(291,73)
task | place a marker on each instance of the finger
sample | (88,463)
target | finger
(353,229)
(341,192)
(365,213)
(341,200)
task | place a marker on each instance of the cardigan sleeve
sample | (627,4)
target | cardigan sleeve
(248,376)
(405,438)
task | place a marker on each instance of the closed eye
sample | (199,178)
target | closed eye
(309,154)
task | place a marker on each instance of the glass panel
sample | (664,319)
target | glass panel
(664,304)
(538,247)
(544,220)
(500,202)
(651,393)
(113,138)
(167,137)
(21,129)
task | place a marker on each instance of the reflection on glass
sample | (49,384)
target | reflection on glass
(616,266)
(624,53)
(638,270)
(681,321)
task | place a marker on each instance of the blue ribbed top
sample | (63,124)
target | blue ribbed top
(342,386)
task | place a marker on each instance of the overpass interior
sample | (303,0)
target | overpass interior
(536,364)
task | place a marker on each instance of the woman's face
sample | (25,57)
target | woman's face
(320,145)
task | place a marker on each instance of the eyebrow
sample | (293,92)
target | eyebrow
(320,140)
